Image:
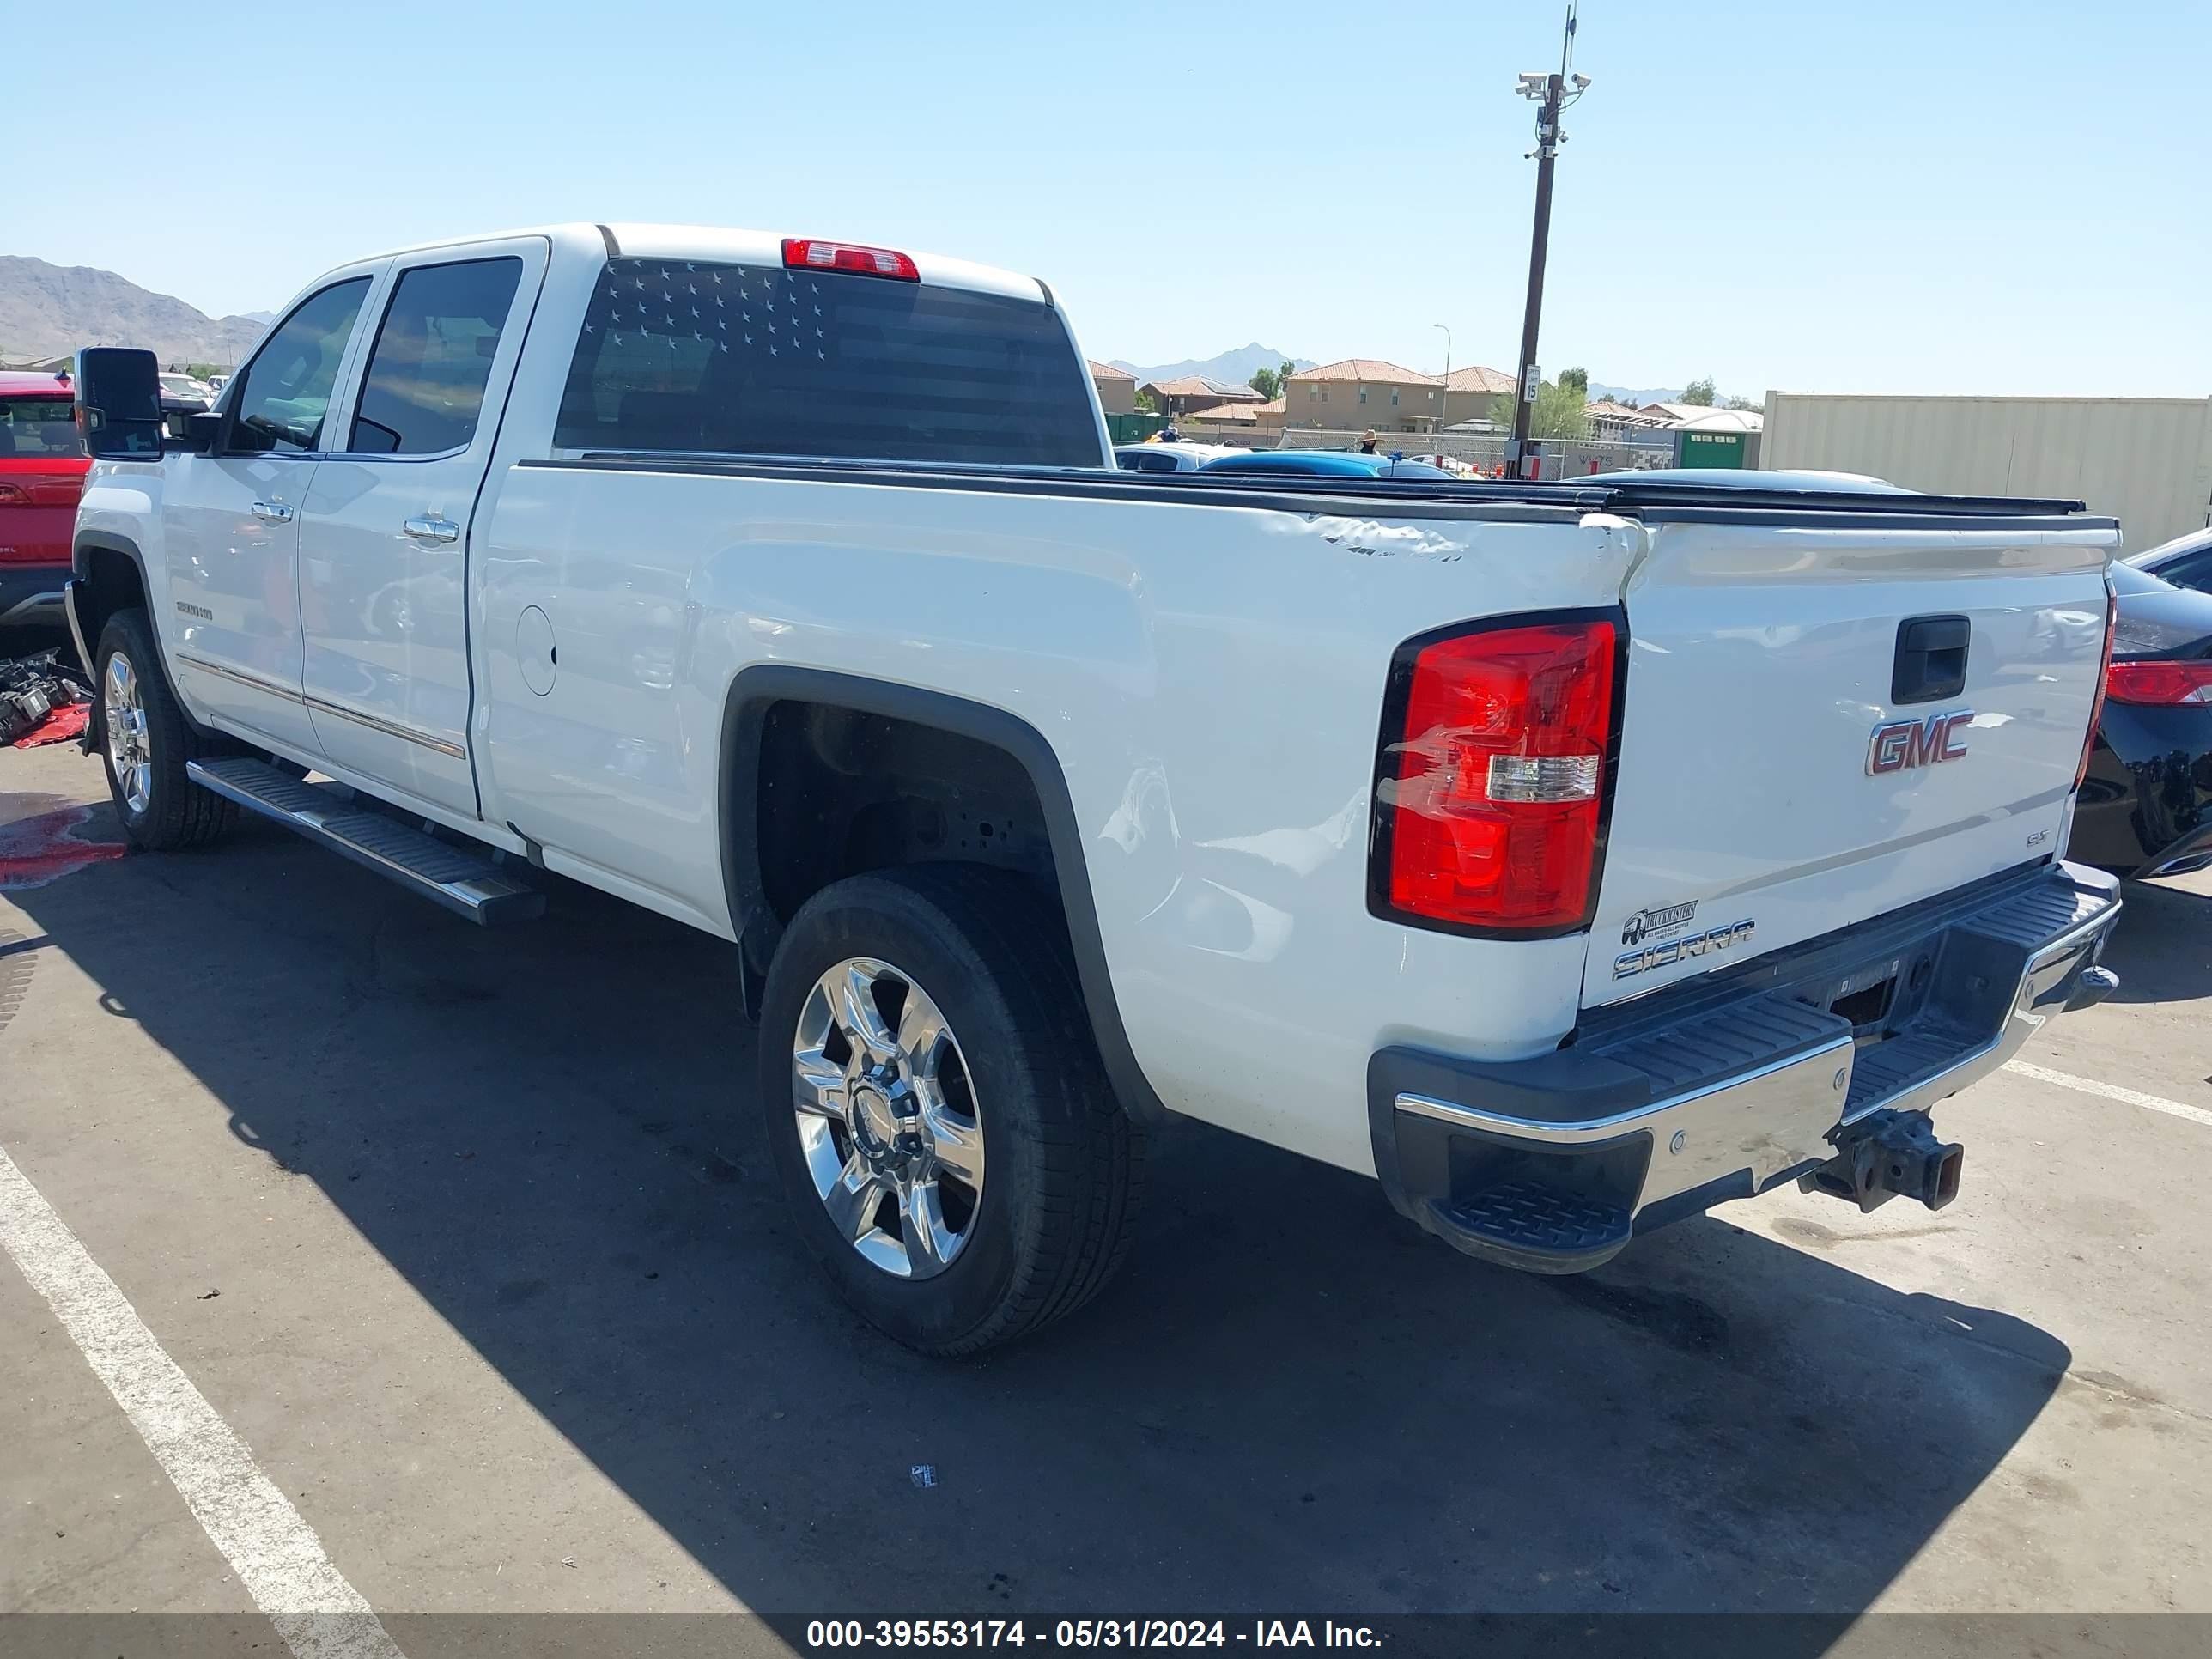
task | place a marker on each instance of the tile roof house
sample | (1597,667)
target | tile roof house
(1250,420)
(1357,392)
(1610,418)
(1188,392)
(1360,393)
(1117,387)
(1474,378)
(1475,393)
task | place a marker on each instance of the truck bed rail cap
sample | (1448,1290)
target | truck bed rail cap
(1807,490)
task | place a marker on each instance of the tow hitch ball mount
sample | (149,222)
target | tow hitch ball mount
(1886,1153)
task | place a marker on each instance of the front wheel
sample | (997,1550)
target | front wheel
(146,740)
(937,1109)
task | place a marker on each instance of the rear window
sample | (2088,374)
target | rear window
(43,427)
(681,356)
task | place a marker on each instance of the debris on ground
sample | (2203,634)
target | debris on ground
(923,1474)
(42,700)
(59,726)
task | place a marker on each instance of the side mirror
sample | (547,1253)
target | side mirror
(118,403)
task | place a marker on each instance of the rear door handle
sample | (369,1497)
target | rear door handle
(274,512)
(431,528)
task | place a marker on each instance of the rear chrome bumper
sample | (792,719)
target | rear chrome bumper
(1723,1088)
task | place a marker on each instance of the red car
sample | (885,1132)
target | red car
(42,468)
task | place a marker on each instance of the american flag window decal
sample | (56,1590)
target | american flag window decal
(678,355)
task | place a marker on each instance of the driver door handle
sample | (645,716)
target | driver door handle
(274,512)
(431,528)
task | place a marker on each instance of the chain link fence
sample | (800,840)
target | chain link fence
(1561,458)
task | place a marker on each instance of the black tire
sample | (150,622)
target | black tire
(176,812)
(1064,1164)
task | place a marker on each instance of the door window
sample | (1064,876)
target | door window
(43,427)
(425,385)
(283,394)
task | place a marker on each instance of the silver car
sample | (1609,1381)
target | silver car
(1169,456)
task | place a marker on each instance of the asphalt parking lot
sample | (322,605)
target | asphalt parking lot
(469,1238)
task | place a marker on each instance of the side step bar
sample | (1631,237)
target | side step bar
(467,884)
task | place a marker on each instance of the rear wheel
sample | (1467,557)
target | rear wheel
(146,740)
(938,1115)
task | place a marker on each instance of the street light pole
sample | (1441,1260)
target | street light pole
(1443,411)
(1549,93)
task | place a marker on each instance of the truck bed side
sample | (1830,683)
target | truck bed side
(1206,678)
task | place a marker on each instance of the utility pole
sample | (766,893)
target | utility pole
(1444,411)
(1548,92)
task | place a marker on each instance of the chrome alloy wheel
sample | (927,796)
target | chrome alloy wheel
(887,1118)
(123,714)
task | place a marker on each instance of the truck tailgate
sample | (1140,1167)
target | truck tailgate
(1796,753)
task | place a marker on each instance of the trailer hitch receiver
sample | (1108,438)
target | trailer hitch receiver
(1886,1153)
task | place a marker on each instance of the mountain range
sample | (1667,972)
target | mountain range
(1636,396)
(1230,368)
(47,309)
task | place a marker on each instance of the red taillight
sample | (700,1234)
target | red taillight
(12,495)
(1493,777)
(810,253)
(2159,682)
(2104,683)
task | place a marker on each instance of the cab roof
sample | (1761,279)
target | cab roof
(634,240)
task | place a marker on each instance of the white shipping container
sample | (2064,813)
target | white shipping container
(2146,461)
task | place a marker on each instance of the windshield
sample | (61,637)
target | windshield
(43,427)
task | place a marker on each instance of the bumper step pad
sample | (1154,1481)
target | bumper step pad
(1540,1228)
(463,880)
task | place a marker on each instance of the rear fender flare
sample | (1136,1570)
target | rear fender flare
(751,693)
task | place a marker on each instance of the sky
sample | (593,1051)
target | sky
(1983,195)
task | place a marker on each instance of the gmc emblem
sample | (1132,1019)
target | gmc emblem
(1900,745)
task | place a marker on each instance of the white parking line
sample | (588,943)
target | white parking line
(2112,1091)
(275,1552)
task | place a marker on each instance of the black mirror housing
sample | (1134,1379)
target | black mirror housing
(118,403)
(190,431)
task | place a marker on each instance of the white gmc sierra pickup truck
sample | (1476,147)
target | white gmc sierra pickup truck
(1569,858)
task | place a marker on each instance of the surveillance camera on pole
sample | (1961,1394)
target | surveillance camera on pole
(1548,92)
